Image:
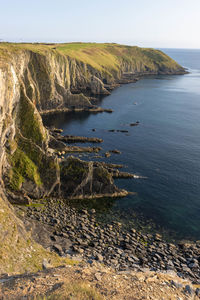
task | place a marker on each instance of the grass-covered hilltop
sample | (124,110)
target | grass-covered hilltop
(106,56)
(110,59)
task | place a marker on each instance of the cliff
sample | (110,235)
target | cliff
(38,78)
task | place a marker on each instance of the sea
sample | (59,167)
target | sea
(163,150)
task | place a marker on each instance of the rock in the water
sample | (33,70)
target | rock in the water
(135,124)
(115,151)
(107,154)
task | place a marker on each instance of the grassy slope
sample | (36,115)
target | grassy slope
(18,252)
(109,56)
(103,57)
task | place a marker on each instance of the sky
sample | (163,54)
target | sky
(146,23)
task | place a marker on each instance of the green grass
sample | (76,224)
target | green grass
(75,170)
(109,57)
(96,55)
(22,167)
(104,57)
(18,252)
(30,123)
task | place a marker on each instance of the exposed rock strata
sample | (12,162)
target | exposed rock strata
(81,179)
(36,79)
(92,109)
(71,149)
(77,139)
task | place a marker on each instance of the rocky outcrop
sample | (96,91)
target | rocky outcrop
(76,139)
(80,179)
(54,80)
(25,165)
(97,87)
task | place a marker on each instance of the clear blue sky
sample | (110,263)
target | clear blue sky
(149,23)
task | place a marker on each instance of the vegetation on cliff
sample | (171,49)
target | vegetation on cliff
(81,179)
(105,57)
(30,122)
(48,77)
(111,57)
(22,167)
(26,153)
(18,252)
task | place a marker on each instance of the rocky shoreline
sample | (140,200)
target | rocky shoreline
(77,234)
(79,139)
(65,109)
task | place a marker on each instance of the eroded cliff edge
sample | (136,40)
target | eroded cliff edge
(35,79)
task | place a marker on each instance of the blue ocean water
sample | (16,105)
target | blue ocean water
(165,147)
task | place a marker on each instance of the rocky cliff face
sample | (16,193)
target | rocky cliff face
(80,179)
(35,79)
(30,83)
(25,163)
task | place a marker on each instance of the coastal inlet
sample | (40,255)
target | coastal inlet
(164,147)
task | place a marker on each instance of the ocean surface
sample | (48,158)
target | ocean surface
(164,148)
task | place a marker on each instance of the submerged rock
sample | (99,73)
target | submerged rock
(107,154)
(122,130)
(79,139)
(115,151)
(70,149)
(135,124)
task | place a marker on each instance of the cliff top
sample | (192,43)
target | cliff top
(101,56)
